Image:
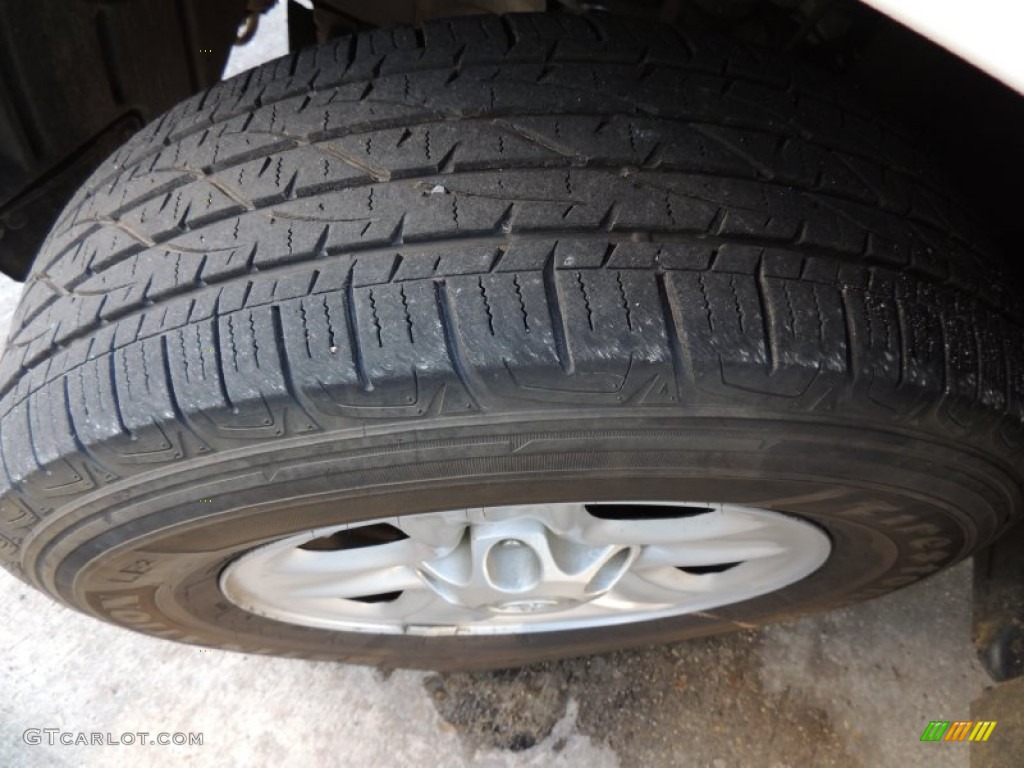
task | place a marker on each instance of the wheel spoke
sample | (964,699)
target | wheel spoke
(441,531)
(712,525)
(350,562)
(696,553)
(397,578)
(634,590)
(435,610)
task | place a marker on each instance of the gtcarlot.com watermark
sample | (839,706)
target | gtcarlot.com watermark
(54,736)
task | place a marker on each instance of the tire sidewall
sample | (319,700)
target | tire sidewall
(896,509)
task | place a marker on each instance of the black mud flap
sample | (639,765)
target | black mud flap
(999,606)
(76,80)
(999,638)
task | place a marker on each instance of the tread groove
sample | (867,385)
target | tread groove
(554,304)
(451,339)
(352,328)
(682,362)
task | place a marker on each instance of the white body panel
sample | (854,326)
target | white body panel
(987,33)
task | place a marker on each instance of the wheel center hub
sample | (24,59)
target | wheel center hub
(522,566)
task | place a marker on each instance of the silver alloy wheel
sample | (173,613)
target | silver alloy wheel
(531,568)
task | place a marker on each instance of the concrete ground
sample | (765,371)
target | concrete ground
(855,687)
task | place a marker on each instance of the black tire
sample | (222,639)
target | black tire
(521,259)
